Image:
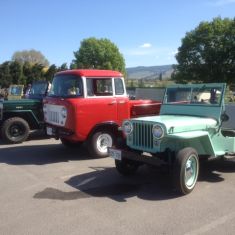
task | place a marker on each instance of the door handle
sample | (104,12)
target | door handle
(112,102)
(122,102)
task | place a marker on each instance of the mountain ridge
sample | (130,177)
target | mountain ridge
(150,72)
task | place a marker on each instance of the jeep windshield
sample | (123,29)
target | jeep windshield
(194,95)
(66,86)
(39,88)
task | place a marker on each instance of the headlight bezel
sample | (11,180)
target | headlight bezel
(124,127)
(160,131)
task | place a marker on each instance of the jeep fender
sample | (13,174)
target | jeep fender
(199,140)
(27,115)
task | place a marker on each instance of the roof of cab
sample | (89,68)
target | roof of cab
(92,73)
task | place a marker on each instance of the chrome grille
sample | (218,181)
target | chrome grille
(142,135)
(53,117)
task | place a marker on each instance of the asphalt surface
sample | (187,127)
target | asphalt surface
(49,189)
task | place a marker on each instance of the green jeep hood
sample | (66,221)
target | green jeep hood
(23,104)
(178,123)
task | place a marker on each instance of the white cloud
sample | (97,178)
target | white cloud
(149,56)
(221,2)
(146,45)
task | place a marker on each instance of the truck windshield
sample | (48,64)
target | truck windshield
(67,86)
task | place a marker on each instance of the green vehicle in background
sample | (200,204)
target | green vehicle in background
(193,124)
(19,116)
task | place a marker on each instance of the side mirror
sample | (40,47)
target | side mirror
(224,117)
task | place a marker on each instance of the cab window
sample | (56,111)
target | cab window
(119,89)
(99,87)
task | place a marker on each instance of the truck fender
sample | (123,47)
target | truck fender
(110,125)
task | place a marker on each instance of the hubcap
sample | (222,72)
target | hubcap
(191,171)
(104,141)
(16,130)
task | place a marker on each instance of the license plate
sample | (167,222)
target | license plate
(115,154)
(49,130)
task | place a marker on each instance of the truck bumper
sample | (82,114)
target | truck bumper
(58,132)
(120,154)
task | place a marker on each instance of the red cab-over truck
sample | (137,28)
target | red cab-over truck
(89,106)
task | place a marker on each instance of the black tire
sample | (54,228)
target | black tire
(69,144)
(126,167)
(98,143)
(15,130)
(186,170)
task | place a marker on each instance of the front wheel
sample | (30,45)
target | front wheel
(186,170)
(99,142)
(15,130)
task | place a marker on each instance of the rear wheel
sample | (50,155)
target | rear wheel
(186,169)
(126,167)
(15,130)
(99,142)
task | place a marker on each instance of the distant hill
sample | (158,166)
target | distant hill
(149,72)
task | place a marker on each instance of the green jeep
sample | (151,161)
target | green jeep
(193,124)
(18,117)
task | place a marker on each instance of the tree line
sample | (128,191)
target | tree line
(206,54)
(14,72)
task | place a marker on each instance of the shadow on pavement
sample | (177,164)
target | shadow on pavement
(41,154)
(150,183)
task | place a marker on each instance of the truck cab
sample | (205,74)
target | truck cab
(89,106)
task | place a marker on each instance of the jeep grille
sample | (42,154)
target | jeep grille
(142,135)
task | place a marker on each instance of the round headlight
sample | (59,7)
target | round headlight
(64,112)
(158,131)
(127,127)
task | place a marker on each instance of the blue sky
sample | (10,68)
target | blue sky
(147,32)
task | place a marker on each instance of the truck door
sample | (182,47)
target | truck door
(101,105)
(123,111)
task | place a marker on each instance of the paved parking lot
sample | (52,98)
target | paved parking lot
(48,189)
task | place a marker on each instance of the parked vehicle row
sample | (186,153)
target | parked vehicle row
(191,124)
(81,106)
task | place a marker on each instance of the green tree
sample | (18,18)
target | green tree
(99,54)
(37,72)
(33,72)
(63,67)
(141,83)
(27,72)
(5,76)
(16,71)
(207,53)
(31,56)
(50,72)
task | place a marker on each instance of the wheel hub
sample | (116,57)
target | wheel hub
(104,141)
(191,171)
